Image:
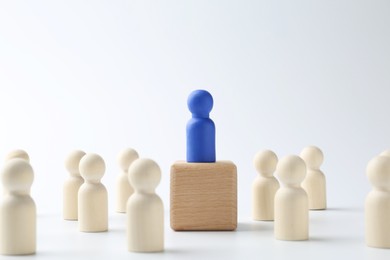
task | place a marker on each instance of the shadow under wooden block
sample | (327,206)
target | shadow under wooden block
(203,196)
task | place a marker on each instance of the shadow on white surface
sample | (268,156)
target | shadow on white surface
(255,226)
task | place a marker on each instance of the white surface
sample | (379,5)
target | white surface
(336,233)
(105,75)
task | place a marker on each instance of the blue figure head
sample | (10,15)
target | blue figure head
(200,103)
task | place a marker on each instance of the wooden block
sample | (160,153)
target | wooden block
(203,196)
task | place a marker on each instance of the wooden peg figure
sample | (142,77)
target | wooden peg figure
(92,197)
(291,201)
(17,210)
(123,187)
(145,210)
(19,153)
(377,204)
(200,128)
(72,185)
(264,186)
(203,191)
(315,182)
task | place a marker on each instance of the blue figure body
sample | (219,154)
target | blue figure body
(200,128)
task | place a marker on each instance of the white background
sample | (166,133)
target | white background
(105,75)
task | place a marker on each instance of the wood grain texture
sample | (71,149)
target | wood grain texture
(203,196)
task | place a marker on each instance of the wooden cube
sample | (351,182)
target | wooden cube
(203,196)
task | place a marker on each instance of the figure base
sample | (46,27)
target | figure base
(203,196)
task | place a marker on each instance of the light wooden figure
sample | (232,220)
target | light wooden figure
(72,185)
(123,187)
(264,186)
(203,196)
(315,182)
(377,204)
(291,201)
(17,210)
(19,153)
(92,196)
(145,210)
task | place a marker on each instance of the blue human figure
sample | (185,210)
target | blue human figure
(200,128)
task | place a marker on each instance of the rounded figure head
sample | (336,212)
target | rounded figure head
(265,162)
(385,153)
(312,156)
(291,170)
(17,175)
(378,172)
(144,175)
(72,162)
(127,157)
(200,102)
(92,167)
(22,154)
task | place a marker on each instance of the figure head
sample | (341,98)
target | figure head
(265,162)
(127,157)
(378,172)
(200,103)
(19,153)
(291,170)
(312,156)
(17,175)
(144,175)
(72,162)
(92,167)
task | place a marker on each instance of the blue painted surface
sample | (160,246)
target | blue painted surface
(200,128)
